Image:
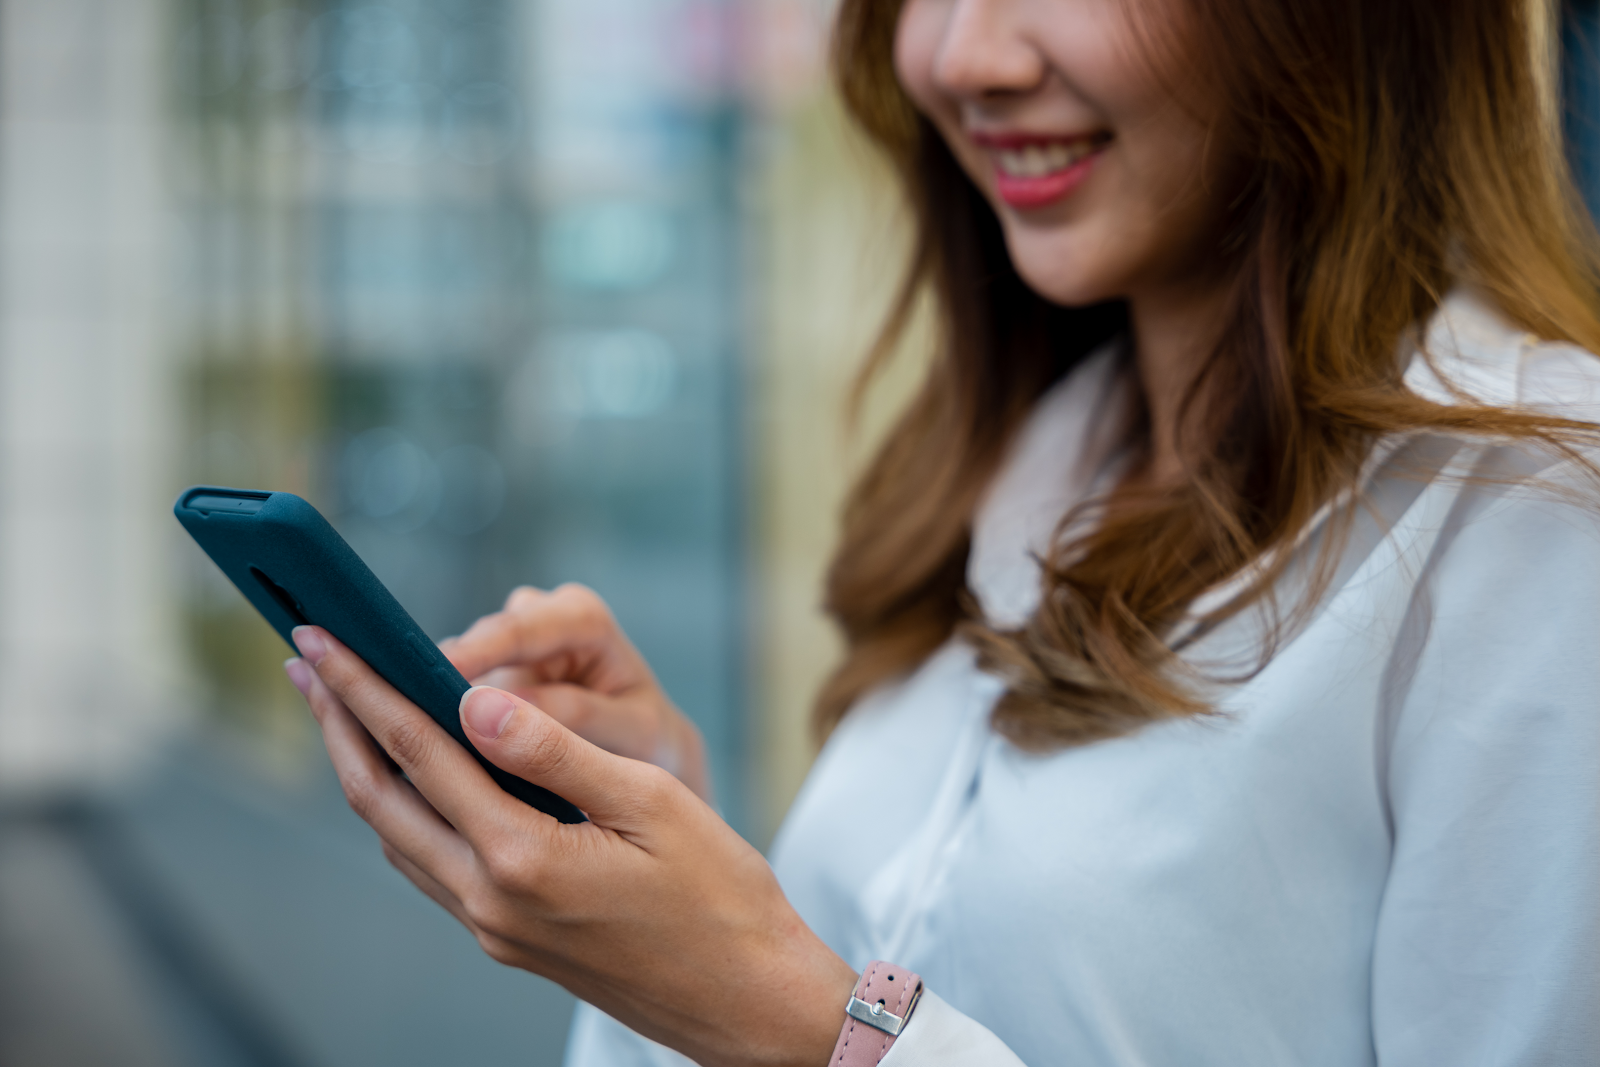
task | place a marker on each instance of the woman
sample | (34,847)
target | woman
(1223,668)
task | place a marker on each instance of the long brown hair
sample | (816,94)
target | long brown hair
(1395,148)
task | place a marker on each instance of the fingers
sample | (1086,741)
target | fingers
(640,725)
(443,771)
(567,635)
(627,727)
(617,793)
(388,803)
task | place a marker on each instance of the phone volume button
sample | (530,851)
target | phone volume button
(440,668)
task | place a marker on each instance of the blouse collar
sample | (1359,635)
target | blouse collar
(1072,444)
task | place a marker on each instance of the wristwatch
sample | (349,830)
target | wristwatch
(880,1006)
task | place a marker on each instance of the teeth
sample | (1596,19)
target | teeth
(1037,160)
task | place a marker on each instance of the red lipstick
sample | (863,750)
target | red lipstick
(1033,170)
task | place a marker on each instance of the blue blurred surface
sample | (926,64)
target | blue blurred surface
(244,923)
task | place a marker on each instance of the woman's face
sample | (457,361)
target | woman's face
(1091,146)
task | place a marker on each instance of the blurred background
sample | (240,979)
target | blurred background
(515,291)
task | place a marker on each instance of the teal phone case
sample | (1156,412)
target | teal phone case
(295,569)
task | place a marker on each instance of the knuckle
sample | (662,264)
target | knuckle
(658,788)
(361,793)
(546,748)
(497,948)
(505,866)
(582,602)
(522,598)
(409,743)
(485,910)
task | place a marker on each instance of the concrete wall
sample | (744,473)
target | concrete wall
(87,647)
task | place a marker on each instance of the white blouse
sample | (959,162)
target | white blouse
(1384,848)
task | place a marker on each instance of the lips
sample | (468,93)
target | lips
(1034,170)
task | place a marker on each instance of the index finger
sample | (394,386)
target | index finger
(564,636)
(441,769)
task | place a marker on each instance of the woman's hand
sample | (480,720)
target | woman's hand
(563,652)
(655,911)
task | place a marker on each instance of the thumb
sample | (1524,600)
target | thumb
(516,736)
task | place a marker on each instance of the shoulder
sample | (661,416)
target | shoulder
(1520,504)
(1509,595)
(1472,352)
(1496,661)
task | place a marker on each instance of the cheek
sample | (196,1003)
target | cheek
(1186,182)
(1153,220)
(917,38)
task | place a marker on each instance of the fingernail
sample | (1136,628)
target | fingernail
(299,673)
(486,710)
(310,643)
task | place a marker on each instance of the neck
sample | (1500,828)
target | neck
(1174,331)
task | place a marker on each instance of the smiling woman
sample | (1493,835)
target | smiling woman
(1220,615)
(1034,102)
(1274,226)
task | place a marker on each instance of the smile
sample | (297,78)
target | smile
(1032,171)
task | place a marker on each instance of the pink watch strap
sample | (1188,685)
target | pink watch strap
(878,1010)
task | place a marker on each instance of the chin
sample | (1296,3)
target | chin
(1069,288)
(1064,276)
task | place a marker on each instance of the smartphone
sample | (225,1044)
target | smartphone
(295,569)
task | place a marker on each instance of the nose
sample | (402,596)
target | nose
(984,51)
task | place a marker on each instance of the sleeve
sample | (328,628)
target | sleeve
(1487,948)
(937,1036)
(940,1036)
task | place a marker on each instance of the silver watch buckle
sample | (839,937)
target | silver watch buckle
(879,1017)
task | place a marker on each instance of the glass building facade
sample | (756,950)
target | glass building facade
(476,277)
(466,273)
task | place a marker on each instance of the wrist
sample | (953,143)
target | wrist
(814,1013)
(879,1008)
